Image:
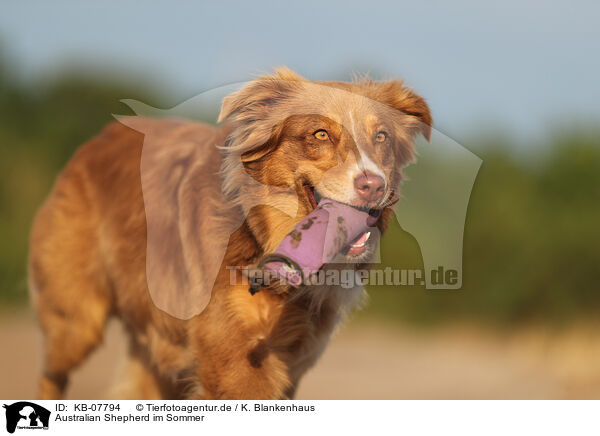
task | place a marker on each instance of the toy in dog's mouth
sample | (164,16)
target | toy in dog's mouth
(330,230)
(356,247)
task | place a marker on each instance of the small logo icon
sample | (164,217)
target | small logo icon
(26,415)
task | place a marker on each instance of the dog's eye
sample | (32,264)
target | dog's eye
(380,137)
(321,135)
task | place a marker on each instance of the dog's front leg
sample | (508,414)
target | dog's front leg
(236,353)
(237,370)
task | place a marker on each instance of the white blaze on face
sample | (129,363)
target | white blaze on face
(339,184)
(363,162)
(24,421)
(366,164)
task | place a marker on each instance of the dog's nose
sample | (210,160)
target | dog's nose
(369,186)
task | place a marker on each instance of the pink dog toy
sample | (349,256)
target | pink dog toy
(316,241)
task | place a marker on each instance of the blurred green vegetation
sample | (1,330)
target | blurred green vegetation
(40,127)
(531,246)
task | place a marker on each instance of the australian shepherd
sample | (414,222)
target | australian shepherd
(282,144)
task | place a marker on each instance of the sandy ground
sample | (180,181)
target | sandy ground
(369,361)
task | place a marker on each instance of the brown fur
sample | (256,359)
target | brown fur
(89,240)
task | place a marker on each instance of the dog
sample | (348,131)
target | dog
(347,141)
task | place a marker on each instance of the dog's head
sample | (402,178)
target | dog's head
(344,141)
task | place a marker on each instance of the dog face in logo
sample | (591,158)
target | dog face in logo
(26,414)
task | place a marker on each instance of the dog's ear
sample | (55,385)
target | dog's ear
(402,98)
(252,110)
(257,98)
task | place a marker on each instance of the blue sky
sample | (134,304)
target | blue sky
(519,66)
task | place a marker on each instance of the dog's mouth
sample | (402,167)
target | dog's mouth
(356,247)
(312,196)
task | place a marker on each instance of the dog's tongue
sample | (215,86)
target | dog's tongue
(316,240)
